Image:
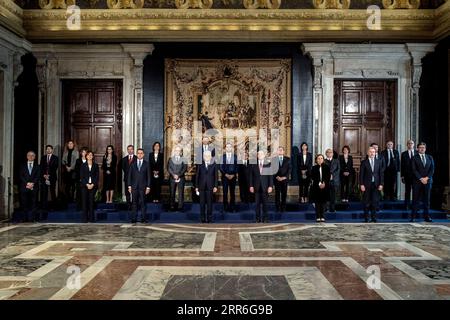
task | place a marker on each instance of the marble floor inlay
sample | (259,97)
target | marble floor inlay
(224,261)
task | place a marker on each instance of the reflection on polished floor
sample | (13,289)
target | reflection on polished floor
(224,261)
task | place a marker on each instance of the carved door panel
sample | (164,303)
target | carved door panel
(364,112)
(93,115)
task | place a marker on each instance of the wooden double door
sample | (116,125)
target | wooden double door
(364,112)
(93,115)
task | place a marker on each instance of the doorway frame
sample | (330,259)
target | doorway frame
(334,61)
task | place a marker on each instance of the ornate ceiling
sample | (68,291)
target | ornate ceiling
(227,20)
(230,4)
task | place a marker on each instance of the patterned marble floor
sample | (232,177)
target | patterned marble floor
(236,262)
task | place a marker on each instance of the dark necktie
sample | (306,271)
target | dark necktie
(372,166)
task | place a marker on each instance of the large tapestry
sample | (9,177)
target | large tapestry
(226,96)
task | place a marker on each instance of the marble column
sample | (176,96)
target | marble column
(41,73)
(320,56)
(137,54)
(417,52)
(12,48)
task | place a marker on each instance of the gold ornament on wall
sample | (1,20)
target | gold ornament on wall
(193,4)
(264,4)
(55,4)
(125,4)
(331,4)
(401,4)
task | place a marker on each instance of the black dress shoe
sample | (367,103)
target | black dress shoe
(366,220)
(373,220)
(258,220)
(428,219)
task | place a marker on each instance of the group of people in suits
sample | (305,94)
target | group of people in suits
(34,177)
(319,183)
(379,173)
(43,177)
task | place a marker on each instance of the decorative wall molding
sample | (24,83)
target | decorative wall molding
(331,4)
(125,4)
(124,21)
(261,4)
(193,4)
(442,29)
(55,4)
(11,17)
(230,24)
(401,4)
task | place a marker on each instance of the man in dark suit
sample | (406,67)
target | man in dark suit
(406,171)
(423,170)
(243,178)
(281,179)
(205,146)
(49,167)
(261,183)
(229,170)
(177,168)
(392,160)
(29,186)
(378,155)
(139,181)
(126,163)
(371,180)
(206,185)
(335,172)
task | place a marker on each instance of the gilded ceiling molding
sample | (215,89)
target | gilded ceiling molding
(11,17)
(401,4)
(230,16)
(234,24)
(125,4)
(442,29)
(193,4)
(331,4)
(55,4)
(263,4)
